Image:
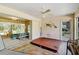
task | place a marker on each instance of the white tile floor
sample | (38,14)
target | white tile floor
(62,49)
(12,44)
(8,52)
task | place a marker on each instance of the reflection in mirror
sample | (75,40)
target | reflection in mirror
(15,31)
(66,30)
(78,29)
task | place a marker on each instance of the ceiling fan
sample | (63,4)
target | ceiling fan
(47,24)
(46,11)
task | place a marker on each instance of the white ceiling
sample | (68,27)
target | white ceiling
(34,9)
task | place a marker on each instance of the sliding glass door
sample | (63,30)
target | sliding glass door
(13,28)
(65,30)
(77,28)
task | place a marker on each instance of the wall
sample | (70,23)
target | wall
(54,32)
(35,29)
(35,22)
(51,32)
(13,12)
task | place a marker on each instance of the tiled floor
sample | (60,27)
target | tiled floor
(12,44)
(8,52)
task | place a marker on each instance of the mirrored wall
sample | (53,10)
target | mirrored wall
(14,31)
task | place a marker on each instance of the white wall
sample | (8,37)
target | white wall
(54,32)
(51,32)
(35,29)
(35,21)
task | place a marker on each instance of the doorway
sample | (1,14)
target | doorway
(77,28)
(65,30)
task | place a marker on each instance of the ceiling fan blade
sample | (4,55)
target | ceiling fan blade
(48,10)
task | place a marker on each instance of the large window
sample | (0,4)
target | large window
(15,28)
(18,28)
(4,28)
(66,30)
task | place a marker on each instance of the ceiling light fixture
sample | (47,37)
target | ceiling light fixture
(46,11)
(14,18)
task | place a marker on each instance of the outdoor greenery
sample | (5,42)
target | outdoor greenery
(15,28)
(1,28)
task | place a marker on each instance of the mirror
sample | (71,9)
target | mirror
(66,30)
(14,30)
